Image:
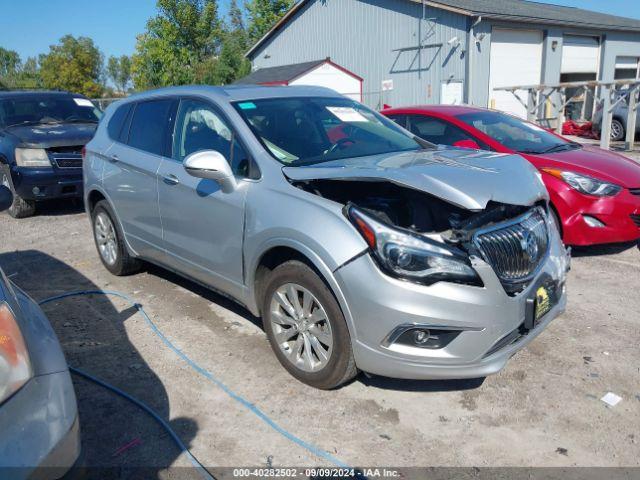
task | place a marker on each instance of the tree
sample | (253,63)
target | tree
(179,42)
(74,64)
(231,63)
(119,71)
(9,62)
(15,74)
(263,14)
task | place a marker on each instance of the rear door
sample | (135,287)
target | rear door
(203,225)
(130,176)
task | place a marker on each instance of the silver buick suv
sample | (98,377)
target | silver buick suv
(361,246)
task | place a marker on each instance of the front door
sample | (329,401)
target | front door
(202,225)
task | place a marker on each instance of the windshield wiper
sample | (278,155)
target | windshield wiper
(78,120)
(562,146)
(28,122)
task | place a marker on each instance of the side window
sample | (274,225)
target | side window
(149,126)
(399,119)
(117,120)
(438,131)
(200,127)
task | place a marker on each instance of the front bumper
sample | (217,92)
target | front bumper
(40,431)
(486,315)
(47,183)
(616,213)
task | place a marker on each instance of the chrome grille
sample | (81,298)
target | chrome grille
(67,160)
(515,249)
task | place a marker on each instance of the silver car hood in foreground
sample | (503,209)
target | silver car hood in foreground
(463,177)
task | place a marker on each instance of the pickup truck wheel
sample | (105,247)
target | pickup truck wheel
(306,328)
(110,243)
(20,208)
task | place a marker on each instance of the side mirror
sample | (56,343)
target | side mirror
(210,165)
(6,198)
(467,144)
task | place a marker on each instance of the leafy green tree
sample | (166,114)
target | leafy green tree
(179,42)
(15,74)
(231,63)
(9,62)
(74,64)
(263,14)
(119,71)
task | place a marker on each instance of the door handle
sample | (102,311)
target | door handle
(113,159)
(170,179)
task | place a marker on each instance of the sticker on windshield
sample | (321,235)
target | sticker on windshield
(83,102)
(347,114)
(247,105)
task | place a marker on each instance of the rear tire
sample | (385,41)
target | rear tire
(310,340)
(110,242)
(20,208)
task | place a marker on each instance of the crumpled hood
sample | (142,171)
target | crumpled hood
(467,178)
(57,135)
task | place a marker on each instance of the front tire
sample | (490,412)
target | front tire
(110,242)
(20,208)
(306,328)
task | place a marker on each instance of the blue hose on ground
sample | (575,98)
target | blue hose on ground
(202,371)
(203,471)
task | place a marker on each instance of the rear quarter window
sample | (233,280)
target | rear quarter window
(117,120)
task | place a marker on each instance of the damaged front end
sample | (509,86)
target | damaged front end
(418,237)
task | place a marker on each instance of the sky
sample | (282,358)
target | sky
(30,26)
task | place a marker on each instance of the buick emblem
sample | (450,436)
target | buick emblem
(529,245)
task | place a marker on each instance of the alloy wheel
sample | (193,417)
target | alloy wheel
(616,130)
(106,238)
(301,327)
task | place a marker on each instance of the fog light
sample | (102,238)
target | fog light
(421,336)
(36,191)
(593,221)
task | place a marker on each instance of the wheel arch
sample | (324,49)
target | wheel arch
(279,251)
(95,195)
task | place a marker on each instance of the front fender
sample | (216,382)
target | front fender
(311,225)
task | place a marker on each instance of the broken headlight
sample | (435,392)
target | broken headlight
(411,256)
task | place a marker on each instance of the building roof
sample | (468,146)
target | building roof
(278,75)
(509,10)
(532,12)
(284,74)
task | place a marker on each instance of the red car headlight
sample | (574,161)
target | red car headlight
(585,183)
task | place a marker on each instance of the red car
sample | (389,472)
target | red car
(595,194)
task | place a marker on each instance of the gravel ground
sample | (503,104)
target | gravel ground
(544,409)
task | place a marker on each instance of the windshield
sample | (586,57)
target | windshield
(310,130)
(516,134)
(43,109)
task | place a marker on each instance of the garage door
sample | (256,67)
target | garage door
(579,54)
(516,59)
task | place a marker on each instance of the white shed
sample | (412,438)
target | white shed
(320,73)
